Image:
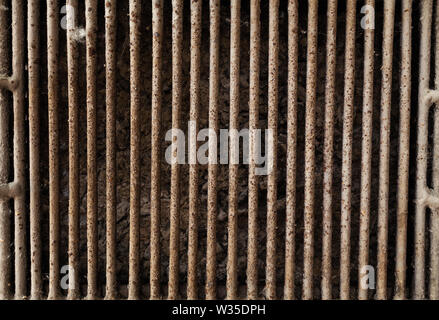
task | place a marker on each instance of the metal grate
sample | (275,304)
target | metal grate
(294,276)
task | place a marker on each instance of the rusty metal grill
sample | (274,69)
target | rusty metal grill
(347,188)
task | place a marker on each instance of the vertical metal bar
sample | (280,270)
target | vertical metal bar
(5,216)
(348,115)
(252,247)
(73,89)
(110,62)
(18,49)
(52,84)
(421,175)
(157,37)
(135,85)
(174,244)
(366,151)
(92,188)
(434,227)
(328,153)
(311,78)
(293,53)
(193,168)
(33,13)
(213,156)
(232,250)
(434,220)
(404,151)
(386,103)
(273,57)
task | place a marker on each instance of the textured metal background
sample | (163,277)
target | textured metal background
(22,276)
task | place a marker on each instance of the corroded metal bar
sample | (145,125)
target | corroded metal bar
(366,150)
(404,151)
(293,52)
(73,91)
(232,241)
(5,220)
(348,115)
(18,49)
(311,78)
(273,98)
(53,86)
(135,85)
(174,244)
(252,246)
(386,103)
(212,210)
(33,16)
(422,152)
(434,220)
(193,167)
(110,62)
(328,153)
(92,187)
(252,251)
(157,37)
